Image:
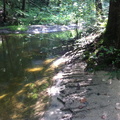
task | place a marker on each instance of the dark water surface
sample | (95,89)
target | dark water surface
(26,72)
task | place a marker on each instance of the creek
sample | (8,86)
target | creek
(25,71)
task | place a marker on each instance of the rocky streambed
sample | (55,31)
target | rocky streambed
(36,29)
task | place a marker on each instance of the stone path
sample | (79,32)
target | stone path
(79,95)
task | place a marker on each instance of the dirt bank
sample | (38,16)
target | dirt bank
(80,95)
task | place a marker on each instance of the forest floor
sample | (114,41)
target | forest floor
(80,95)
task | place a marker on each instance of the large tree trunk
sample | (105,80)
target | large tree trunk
(112,34)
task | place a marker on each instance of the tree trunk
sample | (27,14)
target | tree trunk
(47,2)
(23,5)
(4,10)
(112,34)
(59,2)
(99,11)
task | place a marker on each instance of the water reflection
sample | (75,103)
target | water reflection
(25,72)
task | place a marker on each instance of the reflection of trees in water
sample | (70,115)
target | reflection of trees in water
(15,58)
(12,56)
(18,52)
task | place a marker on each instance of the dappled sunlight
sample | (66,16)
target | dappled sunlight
(53,90)
(2,96)
(59,62)
(89,79)
(41,81)
(48,61)
(19,105)
(37,69)
(20,92)
(40,105)
(27,85)
(49,70)
(58,76)
(55,64)
(0,42)
(55,112)
(30,91)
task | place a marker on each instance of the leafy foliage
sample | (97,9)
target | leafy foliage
(98,56)
(66,12)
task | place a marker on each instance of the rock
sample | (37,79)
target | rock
(68,116)
(83,100)
(117,106)
(104,116)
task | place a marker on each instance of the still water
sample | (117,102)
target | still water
(26,72)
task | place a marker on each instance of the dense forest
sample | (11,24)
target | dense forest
(27,12)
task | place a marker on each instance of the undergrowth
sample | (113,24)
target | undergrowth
(101,57)
(19,27)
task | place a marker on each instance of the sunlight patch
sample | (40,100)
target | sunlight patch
(2,96)
(34,69)
(58,76)
(59,62)
(40,82)
(48,61)
(20,92)
(54,90)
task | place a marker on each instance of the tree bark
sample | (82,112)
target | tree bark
(4,10)
(99,11)
(47,2)
(23,5)
(59,2)
(112,34)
